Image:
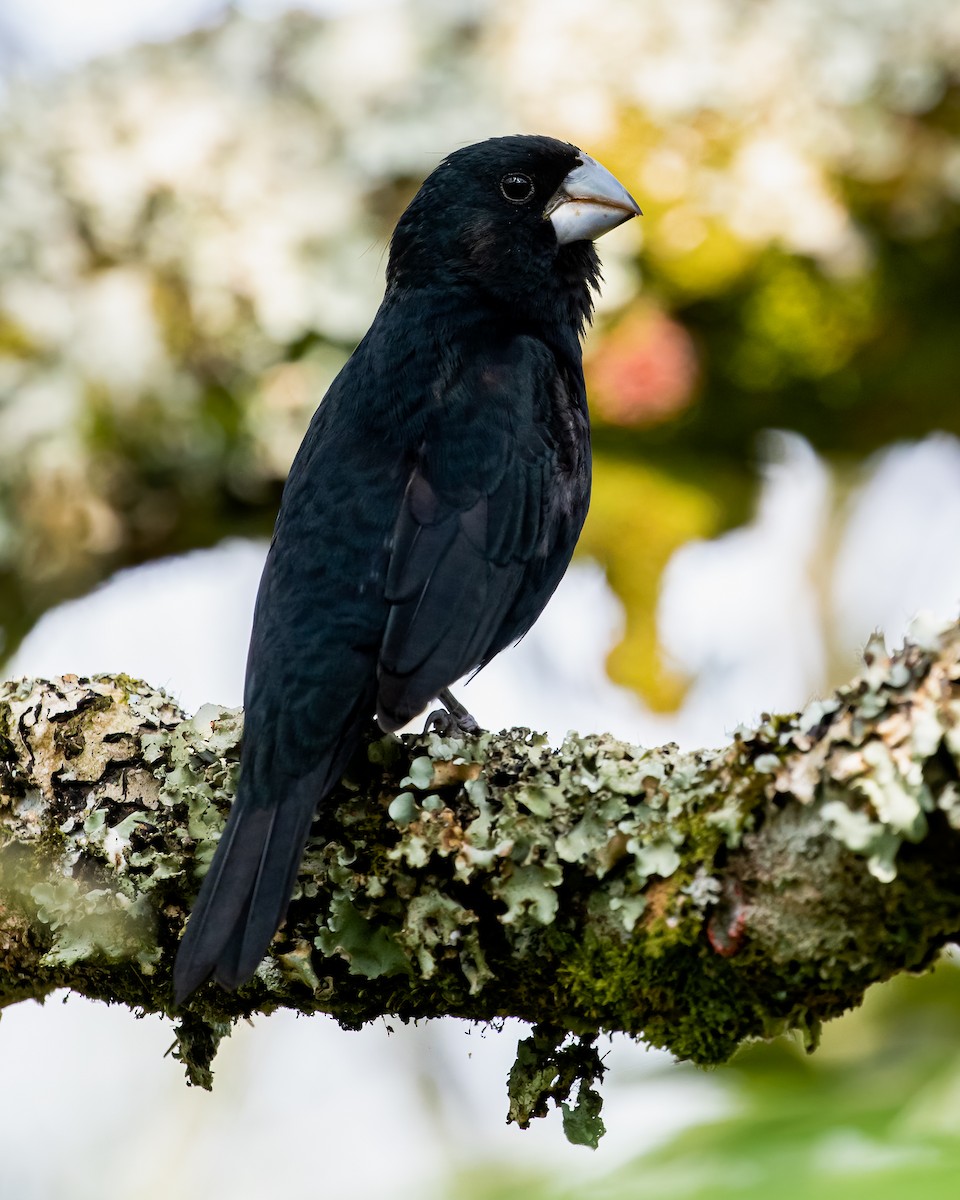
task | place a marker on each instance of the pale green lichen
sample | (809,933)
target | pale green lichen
(582,1124)
(854,829)
(697,898)
(95,922)
(547,1069)
(530,890)
(421,773)
(432,925)
(654,858)
(198,762)
(76,876)
(899,798)
(368,950)
(402,809)
(298,964)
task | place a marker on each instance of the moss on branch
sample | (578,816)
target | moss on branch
(695,898)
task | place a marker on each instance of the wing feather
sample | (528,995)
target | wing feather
(480,543)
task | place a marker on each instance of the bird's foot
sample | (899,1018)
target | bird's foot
(452,720)
(447,724)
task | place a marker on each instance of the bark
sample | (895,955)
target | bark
(696,899)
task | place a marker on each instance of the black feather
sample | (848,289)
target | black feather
(430,513)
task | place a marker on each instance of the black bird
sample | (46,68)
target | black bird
(430,512)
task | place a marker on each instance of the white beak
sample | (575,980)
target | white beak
(588,203)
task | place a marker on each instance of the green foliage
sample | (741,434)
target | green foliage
(639,515)
(168,320)
(874,1115)
(548,1066)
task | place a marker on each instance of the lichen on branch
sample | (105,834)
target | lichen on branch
(696,899)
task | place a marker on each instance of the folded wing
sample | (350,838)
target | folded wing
(486,531)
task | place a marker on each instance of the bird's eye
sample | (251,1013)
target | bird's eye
(517,188)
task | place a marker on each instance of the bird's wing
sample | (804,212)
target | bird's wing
(488,522)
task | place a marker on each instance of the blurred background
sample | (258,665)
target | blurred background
(195,205)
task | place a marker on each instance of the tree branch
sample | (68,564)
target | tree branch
(696,899)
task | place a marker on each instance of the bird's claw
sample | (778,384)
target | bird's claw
(447,724)
(452,720)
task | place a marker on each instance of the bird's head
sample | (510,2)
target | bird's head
(511,220)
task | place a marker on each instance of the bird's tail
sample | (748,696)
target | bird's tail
(245,893)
